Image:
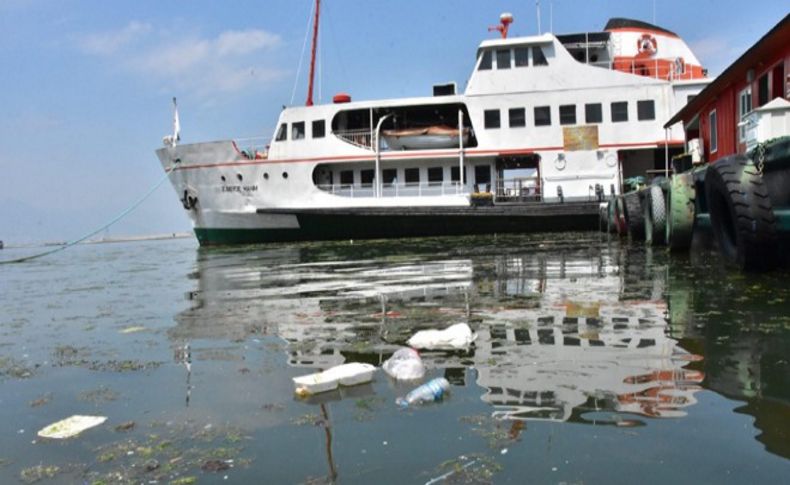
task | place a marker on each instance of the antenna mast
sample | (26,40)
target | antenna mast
(312,54)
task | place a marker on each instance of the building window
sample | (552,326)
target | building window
(762,90)
(593,113)
(745,107)
(568,114)
(412,175)
(454,174)
(297,130)
(366,177)
(389,176)
(646,110)
(517,117)
(482,174)
(538,59)
(485,61)
(714,132)
(522,56)
(282,133)
(542,116)
(503,59)
(347,177)
(319,129)
(619,111)
(435,175)
(491,118)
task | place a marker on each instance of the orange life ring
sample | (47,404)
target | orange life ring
(647,44)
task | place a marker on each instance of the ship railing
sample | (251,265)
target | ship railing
(359,137)
(518,189)
(656,68)
(410,189)
(252,148)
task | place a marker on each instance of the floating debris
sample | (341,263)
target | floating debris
(458,336)
(346,374)
(133,329)
(71,426)
(127,426)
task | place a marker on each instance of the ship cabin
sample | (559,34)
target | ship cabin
(541,118)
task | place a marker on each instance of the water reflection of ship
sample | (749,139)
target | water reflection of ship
(557,331)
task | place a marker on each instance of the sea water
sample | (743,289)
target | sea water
(595,362)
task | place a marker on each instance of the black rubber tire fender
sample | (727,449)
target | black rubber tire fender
(680,220)
(634,215)
(655,215)
(741,214)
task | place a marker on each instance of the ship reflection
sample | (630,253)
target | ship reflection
(565,333)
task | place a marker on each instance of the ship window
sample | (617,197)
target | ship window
(297,130)
(542,116)
(762,90)
(503,59)
(389,176)
(485,61)
(435,175)
(412,175)
(491,118)
(714,132)
(522,56)
(366,177)
(568,114)
(745,106)
(538,59)
(646,110)
(347,177)
(282,133)
(454,174)
(619,111)
(593,113)
(482,174)
(518,117)
(319,129)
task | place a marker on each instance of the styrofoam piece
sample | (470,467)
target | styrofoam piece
(71,426)
(405,364)
(457,336)
(345,375)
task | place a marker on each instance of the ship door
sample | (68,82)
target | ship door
(518,178)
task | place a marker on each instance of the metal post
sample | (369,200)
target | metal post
(461,147)
(666,152)
(377,147)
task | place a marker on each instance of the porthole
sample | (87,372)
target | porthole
(285,175)
(266,176)
(223,178)
(238,176)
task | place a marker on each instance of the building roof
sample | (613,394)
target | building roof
(774,41)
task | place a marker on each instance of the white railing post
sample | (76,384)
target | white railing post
(377,148)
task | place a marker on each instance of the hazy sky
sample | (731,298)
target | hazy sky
(85,86)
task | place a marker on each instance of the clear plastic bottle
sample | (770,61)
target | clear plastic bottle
(432,390)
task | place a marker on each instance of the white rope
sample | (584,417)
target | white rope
(301,56)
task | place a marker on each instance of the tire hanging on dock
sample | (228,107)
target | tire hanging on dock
(655,215)
(680,219)
(634,215)
(741,214)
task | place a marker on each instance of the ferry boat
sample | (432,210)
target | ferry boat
(546,128)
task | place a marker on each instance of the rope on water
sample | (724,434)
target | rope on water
(117,218)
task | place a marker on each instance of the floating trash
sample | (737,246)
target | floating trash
(457,336)
(71,426)
(405,364)
(345,374)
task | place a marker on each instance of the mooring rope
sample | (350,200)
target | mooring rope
(117,218)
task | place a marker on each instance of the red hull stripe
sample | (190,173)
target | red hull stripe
(441,154)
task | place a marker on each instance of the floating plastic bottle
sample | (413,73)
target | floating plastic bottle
(432,390)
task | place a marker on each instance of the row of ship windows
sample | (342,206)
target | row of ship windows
(298,130)
(435,175)
(593,113)
(519,58)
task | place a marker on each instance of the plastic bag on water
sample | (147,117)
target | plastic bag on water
(405,364)
(457,336)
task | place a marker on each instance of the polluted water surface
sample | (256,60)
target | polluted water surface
(592,362)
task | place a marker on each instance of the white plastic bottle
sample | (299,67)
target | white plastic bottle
(432,390)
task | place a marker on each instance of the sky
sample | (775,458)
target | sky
(86,86)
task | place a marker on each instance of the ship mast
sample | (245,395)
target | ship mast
(312,54)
